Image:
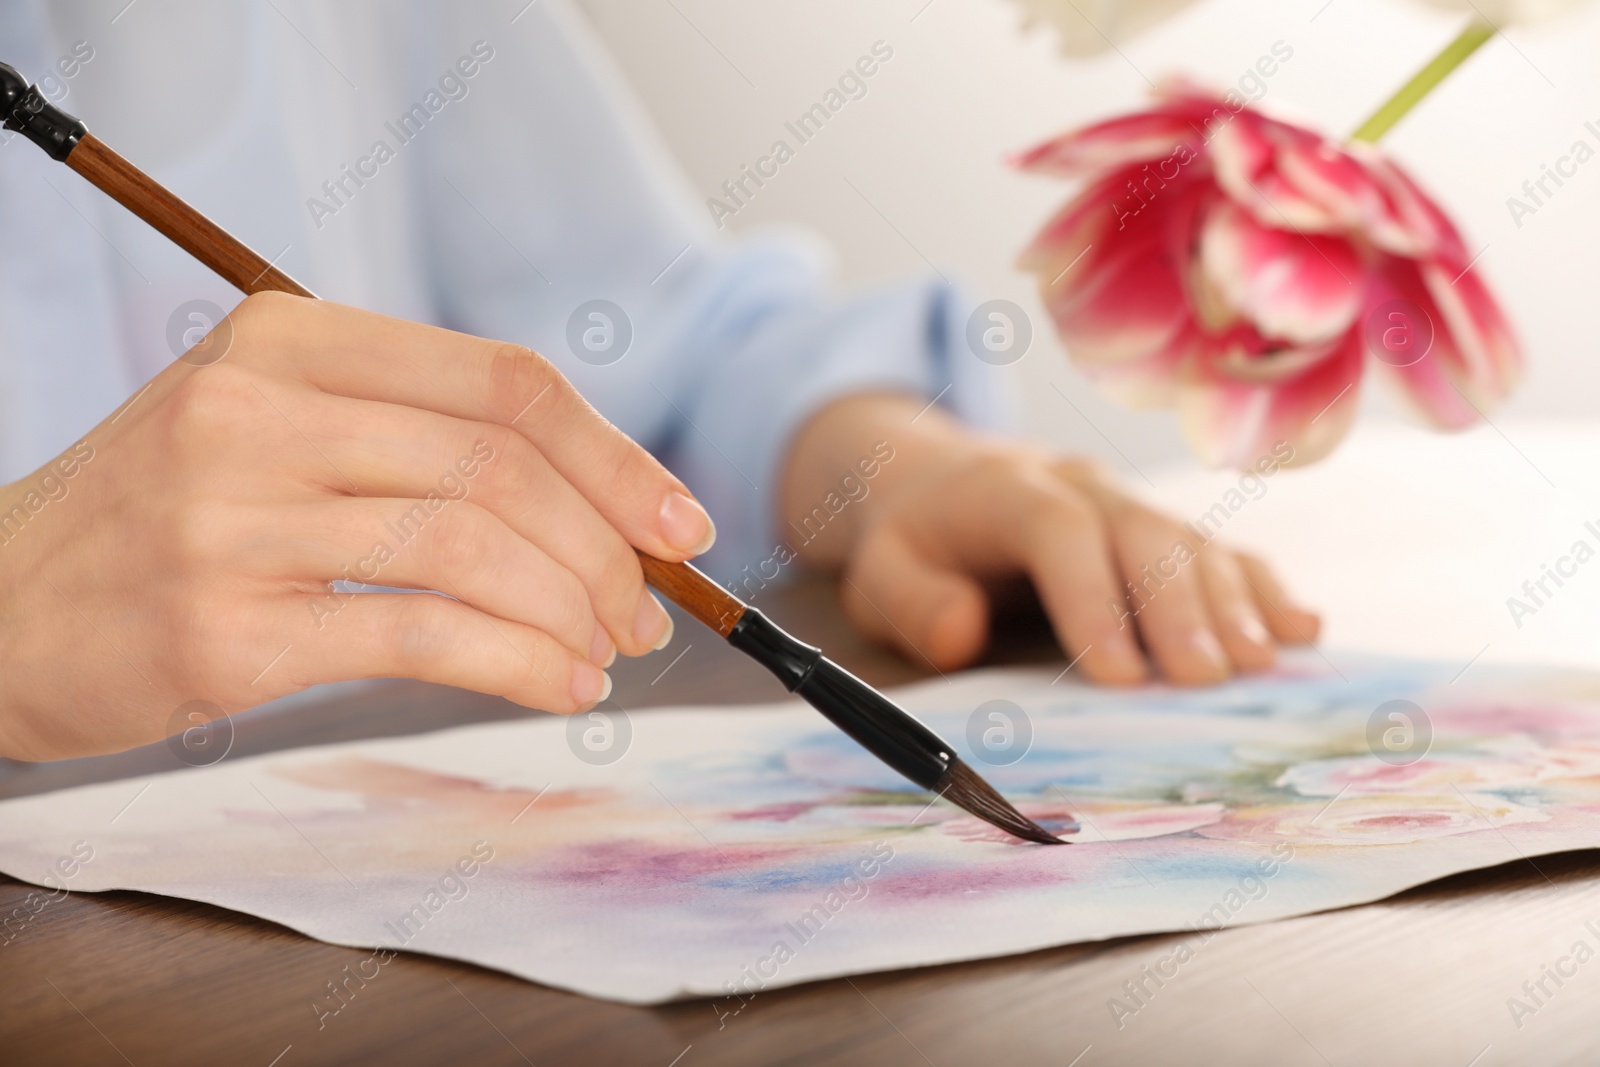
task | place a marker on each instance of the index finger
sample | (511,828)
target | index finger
(359,354)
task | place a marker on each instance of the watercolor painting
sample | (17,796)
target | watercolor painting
(721,852)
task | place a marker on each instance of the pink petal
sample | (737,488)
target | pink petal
(1304,288)
(1491,350)
(1240,286)
(1231,423)
(1150,381)
(1243,355)
(1081,224)
(1473,361)
(1117,142)
(1244,154)
(1419,228)
(1354,196)
(1125,299)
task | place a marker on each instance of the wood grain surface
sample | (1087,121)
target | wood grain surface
(1423,978)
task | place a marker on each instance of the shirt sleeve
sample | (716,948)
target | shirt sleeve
(547,201)
(778,347)
(60,361)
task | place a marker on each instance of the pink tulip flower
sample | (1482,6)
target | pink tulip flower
(1247,271)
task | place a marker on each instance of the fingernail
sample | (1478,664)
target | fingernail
(685,525)
(1253,631)
(652,625)
(1205,643)
(590,684)
(602,650)
(1309,624)
(1120,649)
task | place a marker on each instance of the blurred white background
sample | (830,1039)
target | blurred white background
(967,85)
(1409,542)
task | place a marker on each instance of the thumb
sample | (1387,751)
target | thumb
(932,614)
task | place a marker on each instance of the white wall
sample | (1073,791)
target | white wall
(966,86)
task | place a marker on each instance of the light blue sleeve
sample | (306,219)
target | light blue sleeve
(798,347)
(59,367)
(547,192)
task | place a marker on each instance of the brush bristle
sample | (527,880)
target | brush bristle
(962,787)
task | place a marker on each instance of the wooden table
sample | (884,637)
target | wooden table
(1420,979)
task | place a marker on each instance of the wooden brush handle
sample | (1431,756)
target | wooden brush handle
(249,273)
(687,587)
(182,224)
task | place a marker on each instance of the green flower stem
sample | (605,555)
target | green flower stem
(1394,109)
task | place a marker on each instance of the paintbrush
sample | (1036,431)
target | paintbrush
(874,721)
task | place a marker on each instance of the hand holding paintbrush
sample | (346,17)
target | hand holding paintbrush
(885,730)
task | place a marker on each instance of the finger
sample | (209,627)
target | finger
(1164,589)
(1234,615)
(455,547)
(1289,623)
(1167,597)
(930,613)
(353,353)
(389,450)
(434,639)
(1064,547)
(1017,517)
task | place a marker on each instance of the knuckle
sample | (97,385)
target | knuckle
(994,467)
(1083,469)
(507,482)
(1146,523)
(503,443)
(572,615)
(628,465)
(517,376)
(209,400)
(460,539)
(264,303)
(256,314)
(617,577)
(1057,514)
(542,671)
(416,636)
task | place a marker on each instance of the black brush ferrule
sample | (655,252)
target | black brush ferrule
(875,722)
(27,112)
(766,643)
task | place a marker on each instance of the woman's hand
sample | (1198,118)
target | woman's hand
(953,518)
(185,549)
